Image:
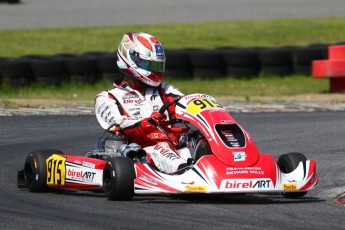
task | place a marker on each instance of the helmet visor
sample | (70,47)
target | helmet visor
(148,65)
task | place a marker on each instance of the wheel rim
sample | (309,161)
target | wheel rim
(28,173)
(107,180)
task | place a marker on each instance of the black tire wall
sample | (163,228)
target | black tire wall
(188,63)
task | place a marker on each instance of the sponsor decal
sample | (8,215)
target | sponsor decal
(88,164)
(130,95)
(195,188)
(148,180)
(80,175)
(165,152)
(244,184)
(129,101)
(77,162)
(159,50)
(56,170)
(290,186)
(192,182)
(155,108)
(35,163)
(239,156)
(194,96)
(244,170)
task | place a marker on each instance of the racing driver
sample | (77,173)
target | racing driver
(132,102)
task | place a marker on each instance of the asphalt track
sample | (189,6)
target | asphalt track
(70,13)
(319,135)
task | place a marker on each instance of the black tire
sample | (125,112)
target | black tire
(323,48)
(3,62)
(207,63)
(275,61)
(48,71)
(305,70)
(241,57)
(242,72)
(82,69)
(107,64)
(35,170)
(287,163)
(17,73)
(118,179)
(177,59)
(305,55)
(241,62)
(177,65)
(178,73)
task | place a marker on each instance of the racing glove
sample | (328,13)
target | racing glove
(149,125)
(171,108)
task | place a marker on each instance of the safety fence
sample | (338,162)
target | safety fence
(187,63)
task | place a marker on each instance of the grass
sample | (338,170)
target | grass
(258,86)
(246,33)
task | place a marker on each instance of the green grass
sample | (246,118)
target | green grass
(246,33)
(258,86)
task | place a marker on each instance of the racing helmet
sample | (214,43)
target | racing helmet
(141,56)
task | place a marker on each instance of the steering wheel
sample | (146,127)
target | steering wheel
(167,104)
(162,110)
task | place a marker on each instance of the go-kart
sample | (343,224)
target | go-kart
(225,160)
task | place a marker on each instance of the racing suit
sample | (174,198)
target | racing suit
(128,107)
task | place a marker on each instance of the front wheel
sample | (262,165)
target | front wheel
(118,178)
(35,169)
(287,163)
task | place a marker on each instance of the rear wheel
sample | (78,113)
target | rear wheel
(35,170)
(287,163)
(118,178)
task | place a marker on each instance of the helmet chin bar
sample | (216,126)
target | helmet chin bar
(136,80)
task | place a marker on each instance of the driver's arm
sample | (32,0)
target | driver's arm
(108,112)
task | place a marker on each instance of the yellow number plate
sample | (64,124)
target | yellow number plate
(56,170)
(197,105)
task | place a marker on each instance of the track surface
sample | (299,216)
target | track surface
(70,13)
(319,135)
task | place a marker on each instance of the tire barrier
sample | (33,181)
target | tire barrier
(188,63)
(241,62)
(177,64)
(17,73)
(206,63)
(275,61)
(303,57)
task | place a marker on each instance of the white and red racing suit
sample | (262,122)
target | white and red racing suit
(128,107)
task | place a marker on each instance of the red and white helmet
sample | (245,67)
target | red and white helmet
(142,57)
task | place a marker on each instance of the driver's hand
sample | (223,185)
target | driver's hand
(158,117)
(171,108)
(148,125)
